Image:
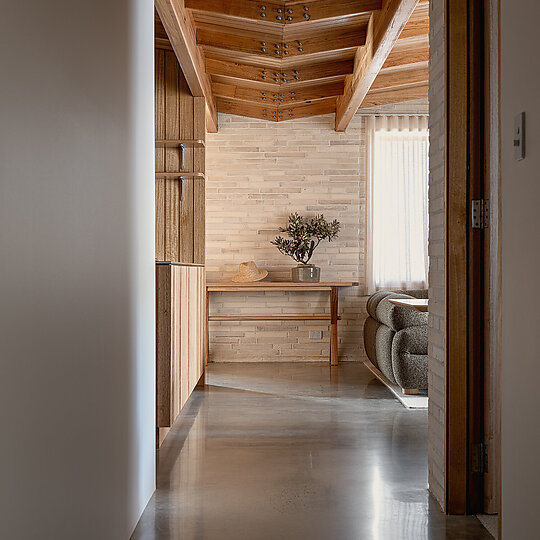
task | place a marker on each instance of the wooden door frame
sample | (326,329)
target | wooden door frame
(465,153)
(492,255)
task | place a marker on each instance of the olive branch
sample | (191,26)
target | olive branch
(305,234)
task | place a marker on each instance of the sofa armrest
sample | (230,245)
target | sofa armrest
(412,340)
(398,317)
(409,357)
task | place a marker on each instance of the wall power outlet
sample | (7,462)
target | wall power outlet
(315,334)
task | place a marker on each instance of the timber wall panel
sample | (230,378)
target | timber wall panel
(180,337)
(179,115)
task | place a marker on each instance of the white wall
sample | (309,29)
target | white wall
(520,91)
(76,268)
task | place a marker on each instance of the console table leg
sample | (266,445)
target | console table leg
(334,326)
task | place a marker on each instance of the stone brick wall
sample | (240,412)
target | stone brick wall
(257,173)
(437,305)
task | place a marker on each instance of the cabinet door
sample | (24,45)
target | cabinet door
(180,205)
(166,359)
(180,312)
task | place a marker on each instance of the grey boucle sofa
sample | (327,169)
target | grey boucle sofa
(395,339)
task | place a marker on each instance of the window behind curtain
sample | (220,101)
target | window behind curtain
(398,190)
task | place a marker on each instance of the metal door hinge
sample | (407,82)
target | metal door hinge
(479,461)
(480,213)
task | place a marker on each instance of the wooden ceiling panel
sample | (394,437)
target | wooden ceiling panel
(203,19)
(401,76)
(254,85)
(276,114)
(395,95)
(282,14)
(278,77)
(403,55)
(418,23)
(335,40)
(288,62)
(293,32)
(278,98)
(288,59)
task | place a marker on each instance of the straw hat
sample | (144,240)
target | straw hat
(248,271)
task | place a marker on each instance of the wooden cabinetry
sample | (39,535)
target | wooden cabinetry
(180,235)
(180,159)
(180,336)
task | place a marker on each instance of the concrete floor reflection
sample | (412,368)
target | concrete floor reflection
(297,451)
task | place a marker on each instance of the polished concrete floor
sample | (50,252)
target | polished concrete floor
(293,452)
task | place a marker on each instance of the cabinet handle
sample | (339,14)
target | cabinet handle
(182,188)
(182,156)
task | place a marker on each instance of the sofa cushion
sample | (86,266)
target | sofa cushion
(409,357)
(398,317)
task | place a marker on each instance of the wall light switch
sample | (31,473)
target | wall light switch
(315,334)
(519,136)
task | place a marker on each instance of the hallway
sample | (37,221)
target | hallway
(293,451)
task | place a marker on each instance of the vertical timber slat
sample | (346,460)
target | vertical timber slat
(172,161)
(163,345)
(199,192)
(160,153)
(456,256)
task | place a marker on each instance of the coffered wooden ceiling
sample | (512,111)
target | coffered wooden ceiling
(289,59)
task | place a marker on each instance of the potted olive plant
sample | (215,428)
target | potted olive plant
(305,234)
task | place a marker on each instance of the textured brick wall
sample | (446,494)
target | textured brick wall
(437,304)
(257,173)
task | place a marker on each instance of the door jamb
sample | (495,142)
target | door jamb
(464,246)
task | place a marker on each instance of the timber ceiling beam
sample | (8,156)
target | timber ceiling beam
(273,77)
(409,55)
(395,95)
(261,45)
(395,77)
(276,114)
(285,13)
(383,31)
(179,26)
(278,98)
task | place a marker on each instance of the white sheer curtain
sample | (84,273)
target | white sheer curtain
(397,210)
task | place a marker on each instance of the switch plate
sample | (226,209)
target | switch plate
(519,136)
(315,334)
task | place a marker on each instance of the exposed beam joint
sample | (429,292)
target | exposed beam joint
(384,29)
(178,24)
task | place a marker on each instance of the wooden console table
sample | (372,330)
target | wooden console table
(333,317)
